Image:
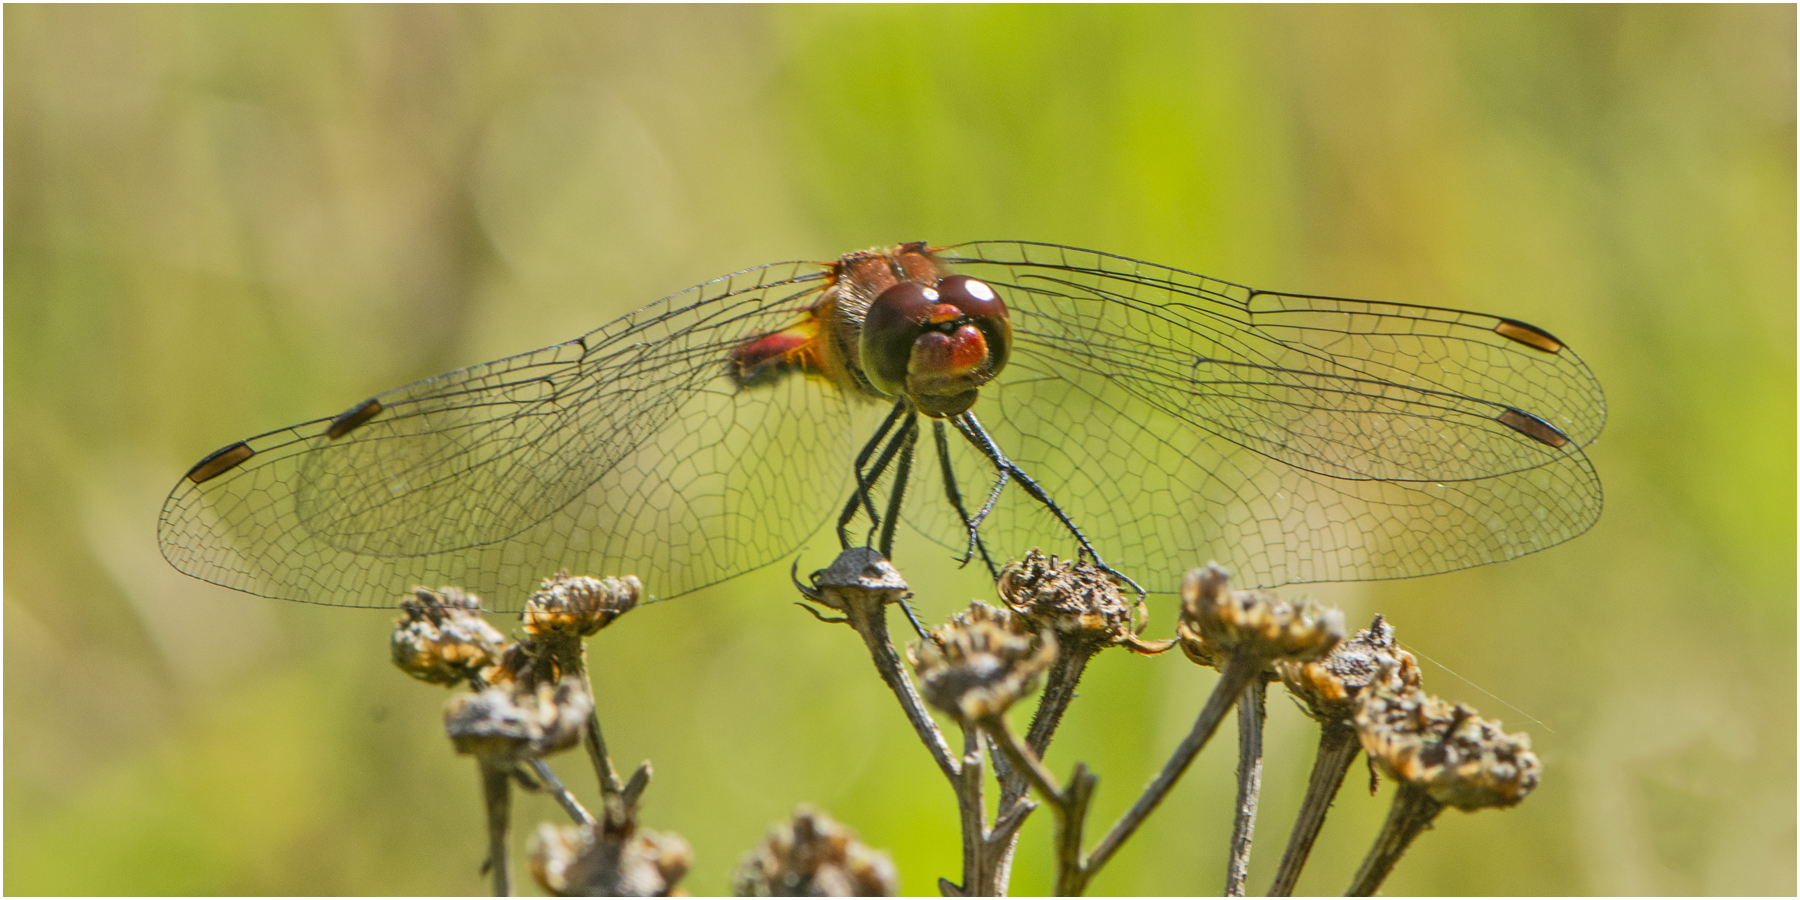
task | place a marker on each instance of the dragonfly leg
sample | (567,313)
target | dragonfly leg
(899,440)
(904,442)
(864,480)
(976,544)
(914,619)
(967,425)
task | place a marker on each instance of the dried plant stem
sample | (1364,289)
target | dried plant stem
(870,621)
(615,794)
(1071,805)
(634,788)
(1025,762)
(986,851)
(1059,691)
(1338,747)
(1236,674)
(969,807)
(1413,811)
(1251,710)
(570,655)
(860,583)
(997,853)
(595,742)
(984,848)
(496,790)
(563,798)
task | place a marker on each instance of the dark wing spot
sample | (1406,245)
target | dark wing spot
(353,419)
(1532,427)
(1530,335)
(219,462)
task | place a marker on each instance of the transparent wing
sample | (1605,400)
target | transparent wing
(627,450)
(1178,419)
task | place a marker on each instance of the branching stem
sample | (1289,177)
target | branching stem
(1071,804)
(1059,691)
(1237,673)
(595,742)
(563,798)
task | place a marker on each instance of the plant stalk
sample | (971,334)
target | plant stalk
(1251,710)
(1239,670)
(1338,747)
(1412,812)
(496,792)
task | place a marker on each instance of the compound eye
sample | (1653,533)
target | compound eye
(972,296)
(893,323)
(982,304)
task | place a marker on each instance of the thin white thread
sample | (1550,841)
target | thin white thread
(1417,652)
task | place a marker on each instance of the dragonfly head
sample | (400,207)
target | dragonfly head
(936,344)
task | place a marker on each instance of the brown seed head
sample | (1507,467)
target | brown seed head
(858,578)
(603,860)
(1329,686)
(813,856)
(1216,622)
(981,662)
(1459,758)
(579,605)
(513,721)
(441,638)
(1080,601)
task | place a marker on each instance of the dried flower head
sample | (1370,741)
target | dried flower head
(579,605)
(512,721)
(860,578)
(1216,622)
(441,638)
(813,856)
(1329,686)
(981,662)
(1080,601)
(1459,758)
(614,859)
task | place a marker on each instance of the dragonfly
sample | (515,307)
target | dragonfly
(1142,416)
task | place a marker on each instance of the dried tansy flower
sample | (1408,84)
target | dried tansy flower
(1441,755)
(579,605)
(1329,685)
(513,721)
(1216,622)
(441,637)
(1459,758)
(858,579)
(981,662)
(1080,601)
(813,856)
(608,860)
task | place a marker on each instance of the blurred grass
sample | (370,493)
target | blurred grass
(223,219)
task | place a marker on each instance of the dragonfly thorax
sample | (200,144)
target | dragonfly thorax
(891,323)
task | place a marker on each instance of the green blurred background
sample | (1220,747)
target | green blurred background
(222,220)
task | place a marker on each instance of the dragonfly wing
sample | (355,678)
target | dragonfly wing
(1298,439)
(629,450)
